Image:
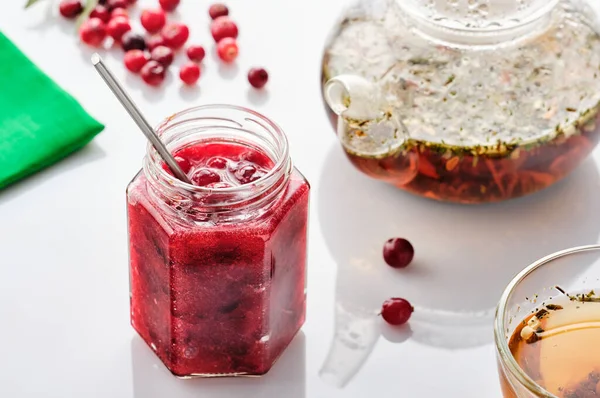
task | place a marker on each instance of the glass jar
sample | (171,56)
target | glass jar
(467,101)
(218,273)
(536,288)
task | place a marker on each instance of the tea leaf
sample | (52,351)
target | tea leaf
(87,10)
(30,3)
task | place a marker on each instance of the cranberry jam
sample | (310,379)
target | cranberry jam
(218,269)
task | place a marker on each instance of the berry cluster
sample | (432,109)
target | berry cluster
(153,54)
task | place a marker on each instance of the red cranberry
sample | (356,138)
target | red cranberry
(168,5)
(154,42)
(217,162)
(153,73)
(93,32)
(119,12)
(112,4)
(164,55)
(175,35)
(153,20)
(396,311)
(218,10)
(183,163)
(135,60)
(223,27)
(70,8)
(117,27)
(196,53)
(101,12)
(219,185)
(133,41)
(398,252)
(189,73)
(258,77)
(227,49)
(203,177)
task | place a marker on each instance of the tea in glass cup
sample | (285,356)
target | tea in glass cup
(547,328)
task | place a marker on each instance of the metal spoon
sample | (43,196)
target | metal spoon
(138,117)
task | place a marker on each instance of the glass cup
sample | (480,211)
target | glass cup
(573,270)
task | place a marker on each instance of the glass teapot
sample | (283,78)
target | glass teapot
(468,101)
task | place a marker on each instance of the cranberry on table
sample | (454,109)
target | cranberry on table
(218,10)
(168,5)
(223,27)
(153,73)
(135,60)
(153,20)
(189,73)
(258,77)
(112,4)
(154,42)
(101,12)
(196,53)
(163,54)
(398,252)
(117,27)
(175,35)
(133,41)
(227,49)
(203,177)
(93,32)
(119,12)
(396,311)
(70,8)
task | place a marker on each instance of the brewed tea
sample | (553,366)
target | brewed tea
(559,346)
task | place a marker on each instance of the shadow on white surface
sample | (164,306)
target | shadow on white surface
(87,154)
(150,94)
(227,71)
(190,93)
(465,256)
(257,97)
(48,18)
(287,378)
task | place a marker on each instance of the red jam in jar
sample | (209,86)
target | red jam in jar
(218,269)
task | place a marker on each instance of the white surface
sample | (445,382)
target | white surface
(64,281)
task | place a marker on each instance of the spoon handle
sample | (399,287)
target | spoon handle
(138,117)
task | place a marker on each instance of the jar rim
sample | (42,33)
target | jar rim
(501,342)
(281,164)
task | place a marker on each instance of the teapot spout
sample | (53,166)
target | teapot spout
(353,97)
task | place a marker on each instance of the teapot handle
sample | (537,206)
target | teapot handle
(353,97)
(367,124)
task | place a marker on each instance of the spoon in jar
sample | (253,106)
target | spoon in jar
(138,117)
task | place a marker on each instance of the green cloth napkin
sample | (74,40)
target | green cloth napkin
(39,122)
